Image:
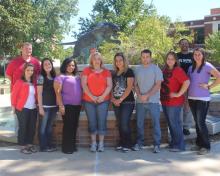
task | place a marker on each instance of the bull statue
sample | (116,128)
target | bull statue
(103,31)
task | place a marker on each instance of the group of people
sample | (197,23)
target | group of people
(36,89)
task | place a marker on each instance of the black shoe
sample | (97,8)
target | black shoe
(68,152)
(43,150)
(75,149)
(186,132)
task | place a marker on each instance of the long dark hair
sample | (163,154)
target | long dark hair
(65,64)
(43,72)
(167,74)
(201,50)
(124,60)
(26,65)
(175,57)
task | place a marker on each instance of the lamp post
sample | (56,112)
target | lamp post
(4,63)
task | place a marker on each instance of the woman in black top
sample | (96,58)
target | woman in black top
(47,105)
(123,99)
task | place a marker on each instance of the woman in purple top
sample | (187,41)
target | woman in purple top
(199,96)
(68,93)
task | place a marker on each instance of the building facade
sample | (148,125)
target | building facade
(203,27)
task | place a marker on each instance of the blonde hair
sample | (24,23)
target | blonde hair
(125,60)
(25,44)
(92,56)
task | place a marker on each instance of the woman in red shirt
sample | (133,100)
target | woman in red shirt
(97,85)
(23,100)
(172,92)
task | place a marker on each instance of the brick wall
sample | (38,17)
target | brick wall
(215,11)
(112,137)
(208,29)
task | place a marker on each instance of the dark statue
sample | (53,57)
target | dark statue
(102,32)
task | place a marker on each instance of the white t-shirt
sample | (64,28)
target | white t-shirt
(30,103)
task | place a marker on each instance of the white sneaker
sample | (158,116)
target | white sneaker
(118,148)
(156,149)
(137,147)
(93,147)
(101,147)
(125,150)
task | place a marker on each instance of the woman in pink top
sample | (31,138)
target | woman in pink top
(97,85)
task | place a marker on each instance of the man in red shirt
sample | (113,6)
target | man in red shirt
(15,67)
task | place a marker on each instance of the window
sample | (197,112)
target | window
(199,35)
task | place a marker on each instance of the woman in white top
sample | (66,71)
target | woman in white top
(23,100)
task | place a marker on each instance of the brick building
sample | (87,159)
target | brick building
(203,27)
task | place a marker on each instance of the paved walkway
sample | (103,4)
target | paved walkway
(85,163)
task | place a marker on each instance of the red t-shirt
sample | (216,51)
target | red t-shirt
(15,68)
(96,82)
(173,81)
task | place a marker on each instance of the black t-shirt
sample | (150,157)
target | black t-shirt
(120,84)
(185,60)
(48,94)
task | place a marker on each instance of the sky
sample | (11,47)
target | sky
(183,10)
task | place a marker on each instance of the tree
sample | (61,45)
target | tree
(52,20)
(177,31)
(124,13)
(154,33)
(42,22)
(212,44)
(140,27)
(15,24)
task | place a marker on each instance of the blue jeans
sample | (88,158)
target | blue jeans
(45,128)
(173,116)
(199,110)
(123,115)
(141,111)
(97,117)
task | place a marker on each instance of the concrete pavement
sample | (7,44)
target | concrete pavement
(85,163)
(110,162)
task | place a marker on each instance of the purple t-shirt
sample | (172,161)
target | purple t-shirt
(197,78)
(71,89)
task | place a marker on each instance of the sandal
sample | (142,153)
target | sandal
(25,151)
(32,149)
